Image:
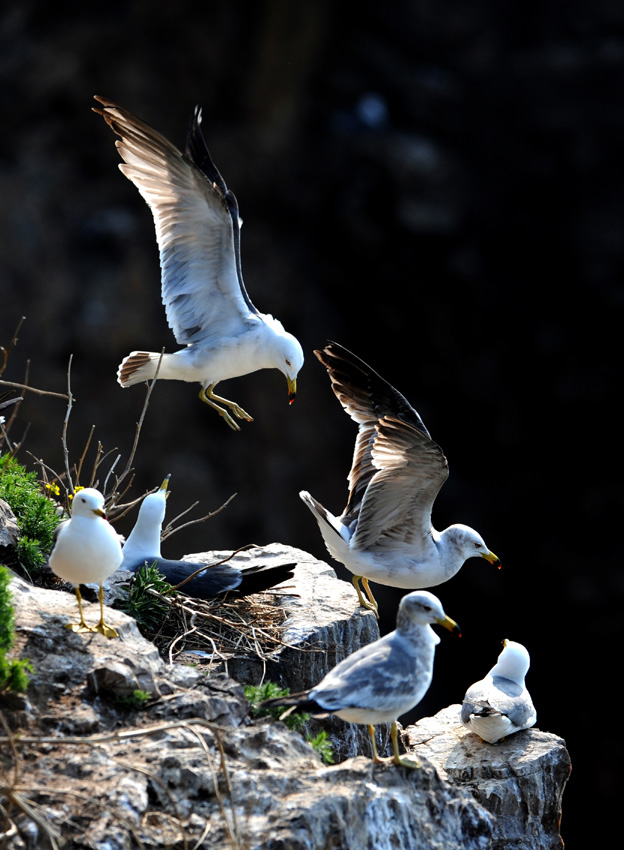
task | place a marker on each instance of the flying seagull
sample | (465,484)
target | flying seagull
(86,549)
(385,679)
(143,548)
(384,533)
(500,705)
(198,234)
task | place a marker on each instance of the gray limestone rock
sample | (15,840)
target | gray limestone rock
(520,780)
(9,533)
(189,767)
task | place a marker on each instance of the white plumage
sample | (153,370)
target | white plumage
(86,550)
(198,234)
(384,680)
(385,533)
(499,704)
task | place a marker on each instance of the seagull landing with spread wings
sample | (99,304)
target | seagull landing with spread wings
(385,534)
(198,234)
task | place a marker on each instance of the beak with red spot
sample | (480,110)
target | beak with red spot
(493,559)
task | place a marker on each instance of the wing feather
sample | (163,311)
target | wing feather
(194,224)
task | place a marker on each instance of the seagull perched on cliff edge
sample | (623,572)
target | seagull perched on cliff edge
(383,680)
(198,234)
(86,549)
(143,548)
(499,704)
(385,534)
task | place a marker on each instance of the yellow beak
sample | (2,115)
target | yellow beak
(449,624)
(491,557)
(164,485)
(292,389)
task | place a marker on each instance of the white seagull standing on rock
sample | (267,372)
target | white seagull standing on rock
(86,549)
(385,679)
(385,533)
(198,234)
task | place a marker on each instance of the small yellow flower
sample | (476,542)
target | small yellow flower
(53,489)
(76,489)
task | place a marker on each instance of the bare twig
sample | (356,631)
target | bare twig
(169,530)
(70,401)
(31,389)
(137,434)
(6,351)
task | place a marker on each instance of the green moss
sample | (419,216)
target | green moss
(37,516)
(269,690)
(256,694)
(13,673)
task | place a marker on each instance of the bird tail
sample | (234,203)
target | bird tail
(299,702)
(334,533)
(138,366)
(263,577)
(482,708)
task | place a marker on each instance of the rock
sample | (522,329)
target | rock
(520,780)
(9,533)
(188,766)
(323,624)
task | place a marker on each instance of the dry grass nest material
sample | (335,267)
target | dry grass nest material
(223,627)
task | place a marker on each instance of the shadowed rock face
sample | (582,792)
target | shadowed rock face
(191,761)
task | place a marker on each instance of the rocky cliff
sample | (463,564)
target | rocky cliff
(87,764)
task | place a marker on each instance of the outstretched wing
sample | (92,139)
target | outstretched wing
(397,469)
(409,470)
(197,227)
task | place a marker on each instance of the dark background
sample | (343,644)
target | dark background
(437,186)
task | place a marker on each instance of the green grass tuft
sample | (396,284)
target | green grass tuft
(147,609)
(37,516)
(13,672)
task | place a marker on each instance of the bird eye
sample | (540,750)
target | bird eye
(288,363)
(477,545)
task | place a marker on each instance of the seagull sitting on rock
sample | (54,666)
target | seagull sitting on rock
(86,549)
(198,234)
(143,548)
(385,533)
(383,680)
(500,704)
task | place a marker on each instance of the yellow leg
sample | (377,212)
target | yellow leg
(371,732)
(373,602)
(102,628)
(412,762)
(370,606)
(207,395)
(81,626)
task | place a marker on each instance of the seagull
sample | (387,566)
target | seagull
(198,234)
(500,705)
(86,549)
(384,533)
(142,548)
(383,680)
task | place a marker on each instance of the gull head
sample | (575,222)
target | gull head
(470,544)
(287,356)
(422,608)
(88,502)
(153,506)
(513,662)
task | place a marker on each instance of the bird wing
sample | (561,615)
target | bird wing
(367,398)
(499,696)
(197,227)
(370,678)
(408,470)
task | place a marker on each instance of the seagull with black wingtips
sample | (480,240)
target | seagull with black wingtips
(198,233)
